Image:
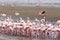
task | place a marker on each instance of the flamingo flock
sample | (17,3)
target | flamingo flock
(35,29)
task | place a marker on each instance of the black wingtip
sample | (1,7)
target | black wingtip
(43,12)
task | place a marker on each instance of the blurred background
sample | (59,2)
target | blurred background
(31,8)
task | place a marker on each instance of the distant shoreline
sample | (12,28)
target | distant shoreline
(56,5)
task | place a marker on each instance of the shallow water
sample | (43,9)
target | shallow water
(9,37)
